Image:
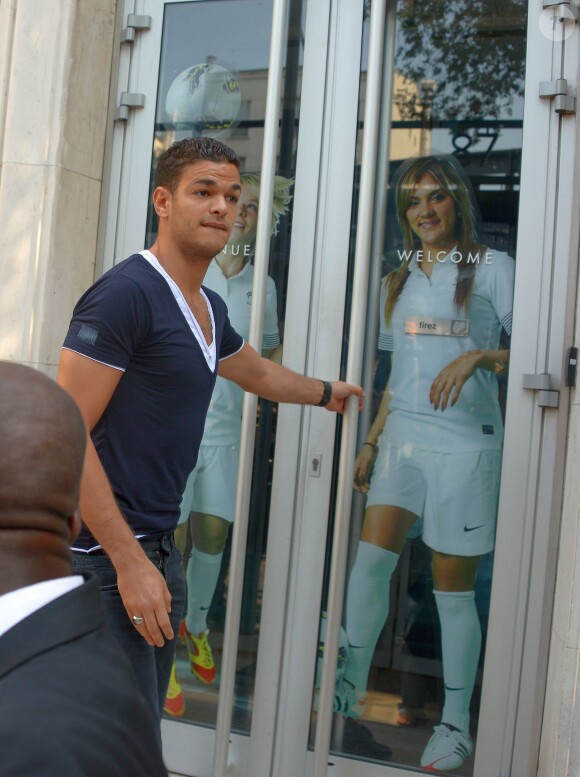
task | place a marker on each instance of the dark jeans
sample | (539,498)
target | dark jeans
(152,665)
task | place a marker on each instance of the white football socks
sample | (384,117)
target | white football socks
(367,608)
(460,648)
(203,570)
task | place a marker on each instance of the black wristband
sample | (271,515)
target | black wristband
(326,394)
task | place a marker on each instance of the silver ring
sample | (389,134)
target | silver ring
(137,620)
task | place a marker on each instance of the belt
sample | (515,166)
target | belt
(163,543)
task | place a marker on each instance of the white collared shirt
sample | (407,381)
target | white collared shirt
(17,605)
(224,417)
(474,423)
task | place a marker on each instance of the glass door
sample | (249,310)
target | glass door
(420,567)
(213,81)
(417,656)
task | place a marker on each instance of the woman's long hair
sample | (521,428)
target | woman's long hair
(447,175)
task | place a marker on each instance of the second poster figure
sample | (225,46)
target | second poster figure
(431,460)
(209,500)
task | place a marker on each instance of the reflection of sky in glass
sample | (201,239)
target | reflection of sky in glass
(235,32)
(474,50)
(511,14)
(441,139)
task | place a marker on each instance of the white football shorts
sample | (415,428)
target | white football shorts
(211,487)
(453,495)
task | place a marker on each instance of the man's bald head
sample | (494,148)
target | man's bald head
(42,443)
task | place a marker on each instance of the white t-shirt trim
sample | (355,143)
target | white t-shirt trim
(98,361)
(209,351)
(229,356)
(475,422)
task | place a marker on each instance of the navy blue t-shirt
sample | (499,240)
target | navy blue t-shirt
(148,437)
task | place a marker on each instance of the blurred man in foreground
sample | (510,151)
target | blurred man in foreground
(69,704)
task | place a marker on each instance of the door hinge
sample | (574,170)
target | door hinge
(128,101)
(563,94)
(542,383)
(134,23)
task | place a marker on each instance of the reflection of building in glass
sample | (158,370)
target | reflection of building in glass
(248,129)
(404,142)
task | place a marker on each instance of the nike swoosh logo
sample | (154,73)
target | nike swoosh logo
(447,688)
(204,608)
(473,528)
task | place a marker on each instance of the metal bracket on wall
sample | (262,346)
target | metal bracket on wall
(128,101)
(134,23)
(569,6)
(563,94)
(542,383)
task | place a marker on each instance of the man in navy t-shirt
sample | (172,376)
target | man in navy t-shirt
(141,356)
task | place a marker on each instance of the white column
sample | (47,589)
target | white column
(55,69)
(560,744)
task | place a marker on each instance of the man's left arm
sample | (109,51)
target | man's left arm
(279,384)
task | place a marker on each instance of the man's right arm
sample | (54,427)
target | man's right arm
(142,587)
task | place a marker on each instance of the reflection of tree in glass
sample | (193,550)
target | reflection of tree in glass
(475,56)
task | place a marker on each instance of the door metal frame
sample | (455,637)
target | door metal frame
(248,432)
(528,536)
(285,491)
(318,265)
(358,322)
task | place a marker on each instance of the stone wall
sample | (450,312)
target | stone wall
(55,71)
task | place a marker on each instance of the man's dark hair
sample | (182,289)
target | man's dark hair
(188,151)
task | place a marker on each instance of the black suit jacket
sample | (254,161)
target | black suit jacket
(69,704)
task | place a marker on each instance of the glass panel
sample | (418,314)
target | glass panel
(213,81)
(428,469)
